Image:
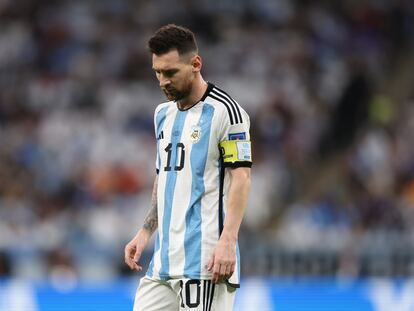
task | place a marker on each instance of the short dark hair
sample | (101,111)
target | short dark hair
(170,37)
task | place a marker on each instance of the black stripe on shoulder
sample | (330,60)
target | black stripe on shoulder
(225,104)
(231,104)
(234,102)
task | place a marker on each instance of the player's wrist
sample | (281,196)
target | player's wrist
(143,233)
(229,237)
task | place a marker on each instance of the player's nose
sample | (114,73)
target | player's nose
(164,82)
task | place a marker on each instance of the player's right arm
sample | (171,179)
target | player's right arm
(136,246)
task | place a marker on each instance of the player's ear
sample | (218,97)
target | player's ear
(196,63)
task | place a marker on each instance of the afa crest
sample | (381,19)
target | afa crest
(195,134)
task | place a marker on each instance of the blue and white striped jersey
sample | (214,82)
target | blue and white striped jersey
(192,153)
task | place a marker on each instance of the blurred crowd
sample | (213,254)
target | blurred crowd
(333,152)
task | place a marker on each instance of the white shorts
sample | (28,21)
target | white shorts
(183,294)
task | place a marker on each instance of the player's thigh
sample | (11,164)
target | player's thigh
(155,296)
(203,295)
(224,298)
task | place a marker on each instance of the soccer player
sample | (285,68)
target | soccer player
(201,188)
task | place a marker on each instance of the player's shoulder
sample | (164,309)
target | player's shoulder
(225,103)
(162,106)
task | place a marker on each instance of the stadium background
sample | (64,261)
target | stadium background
(329,88)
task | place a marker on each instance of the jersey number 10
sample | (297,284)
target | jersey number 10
(180,153)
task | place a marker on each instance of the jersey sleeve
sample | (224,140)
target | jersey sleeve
(235,144)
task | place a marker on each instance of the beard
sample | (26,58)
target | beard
(176,95)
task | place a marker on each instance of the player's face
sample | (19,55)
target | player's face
(175,74)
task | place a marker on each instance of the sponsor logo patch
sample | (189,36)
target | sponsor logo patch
(237,136)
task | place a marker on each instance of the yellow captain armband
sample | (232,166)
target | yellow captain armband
(236,153)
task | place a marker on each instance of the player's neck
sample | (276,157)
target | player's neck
(197,92)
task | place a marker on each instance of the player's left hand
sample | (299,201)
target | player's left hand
(223,261)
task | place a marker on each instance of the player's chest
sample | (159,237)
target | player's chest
(189,127)
(186,132)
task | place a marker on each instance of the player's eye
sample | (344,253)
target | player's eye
(170,73)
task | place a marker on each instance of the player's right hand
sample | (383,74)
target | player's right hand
(134,249)
(133,254)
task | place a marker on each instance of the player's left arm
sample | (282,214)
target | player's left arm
(223,262)
(236,158)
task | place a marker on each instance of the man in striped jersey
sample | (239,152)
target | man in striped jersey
(201,188)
